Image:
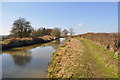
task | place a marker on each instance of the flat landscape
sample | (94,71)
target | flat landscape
(59,40)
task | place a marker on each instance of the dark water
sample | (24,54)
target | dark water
(28,62)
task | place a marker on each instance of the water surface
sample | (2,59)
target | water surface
(28,62)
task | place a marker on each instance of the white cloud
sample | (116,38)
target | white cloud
(80,24)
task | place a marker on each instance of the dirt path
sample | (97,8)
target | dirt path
(81,58)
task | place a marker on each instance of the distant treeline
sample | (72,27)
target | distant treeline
(22,28)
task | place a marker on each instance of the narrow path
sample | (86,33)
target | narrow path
(81,58)
(98,61)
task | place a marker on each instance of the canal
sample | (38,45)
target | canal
(28,62)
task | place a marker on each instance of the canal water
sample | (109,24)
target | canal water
(28,62)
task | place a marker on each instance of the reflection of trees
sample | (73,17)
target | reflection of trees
(22,58)
(55,44)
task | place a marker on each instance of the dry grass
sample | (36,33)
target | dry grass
(81,58)
(106,40)
(19,42)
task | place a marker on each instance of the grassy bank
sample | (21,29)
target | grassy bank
(109,41)
(20,42)
(81,58)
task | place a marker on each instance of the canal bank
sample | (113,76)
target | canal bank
(81,58)
(20,42)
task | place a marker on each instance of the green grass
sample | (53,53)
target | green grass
(93,62)
(101,56)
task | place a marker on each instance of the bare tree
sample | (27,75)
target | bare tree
(56,32)
(41,32)
(65,32)
(21,28)
(71,31)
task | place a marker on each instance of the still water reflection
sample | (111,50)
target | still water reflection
(28,62)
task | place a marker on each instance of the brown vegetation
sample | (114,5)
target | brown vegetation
(107,40)
(19,42)
(81,58)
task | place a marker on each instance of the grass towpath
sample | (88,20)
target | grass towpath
(81,58)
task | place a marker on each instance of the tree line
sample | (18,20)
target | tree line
(22,28)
